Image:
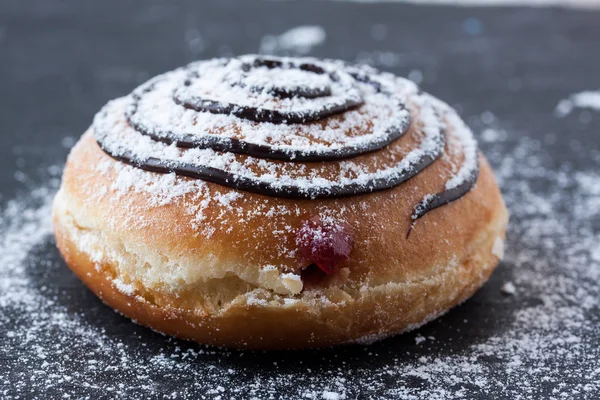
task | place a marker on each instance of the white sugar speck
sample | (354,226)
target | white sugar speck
(420,339)
(508,288)
(588,99)
(416,76)
(195,41)
(492,135)
(123,287)
(332,396)
(297,41)
(498,248)
(552,255)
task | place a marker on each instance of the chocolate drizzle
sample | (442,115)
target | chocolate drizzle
(224,178)
(436,200)
(351,99)
(256,114)
(293,104)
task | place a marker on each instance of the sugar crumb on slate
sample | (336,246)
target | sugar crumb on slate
(56,338)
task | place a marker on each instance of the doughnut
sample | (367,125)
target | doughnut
(279,203)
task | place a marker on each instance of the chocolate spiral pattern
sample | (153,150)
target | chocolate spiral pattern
(298,128)
(350,95)
(342,83)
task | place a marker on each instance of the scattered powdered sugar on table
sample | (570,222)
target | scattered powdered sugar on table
(508,288)
(24,224)
(296,41)
(74,346)
(588,99)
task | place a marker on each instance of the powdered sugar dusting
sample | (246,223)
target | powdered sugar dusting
(22,228)
(384,110)
(588,99)
(508,288)
(468,145)
(297,41)
(551,256)
(225,81)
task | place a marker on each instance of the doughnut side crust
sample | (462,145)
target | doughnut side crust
(207,263)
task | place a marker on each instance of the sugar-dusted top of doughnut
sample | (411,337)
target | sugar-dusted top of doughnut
(288,127)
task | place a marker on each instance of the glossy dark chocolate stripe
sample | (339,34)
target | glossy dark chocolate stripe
(256,114)
(442,198)
(234,145)
(264,115)
(298,91)
(289,191)
(228,144)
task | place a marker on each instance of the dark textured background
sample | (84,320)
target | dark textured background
(60,61)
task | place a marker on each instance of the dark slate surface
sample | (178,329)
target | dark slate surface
(60,61)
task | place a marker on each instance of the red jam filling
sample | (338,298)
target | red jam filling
(325,244)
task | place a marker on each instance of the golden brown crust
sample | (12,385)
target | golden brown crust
(381,219)
(378,312)
(203,277)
